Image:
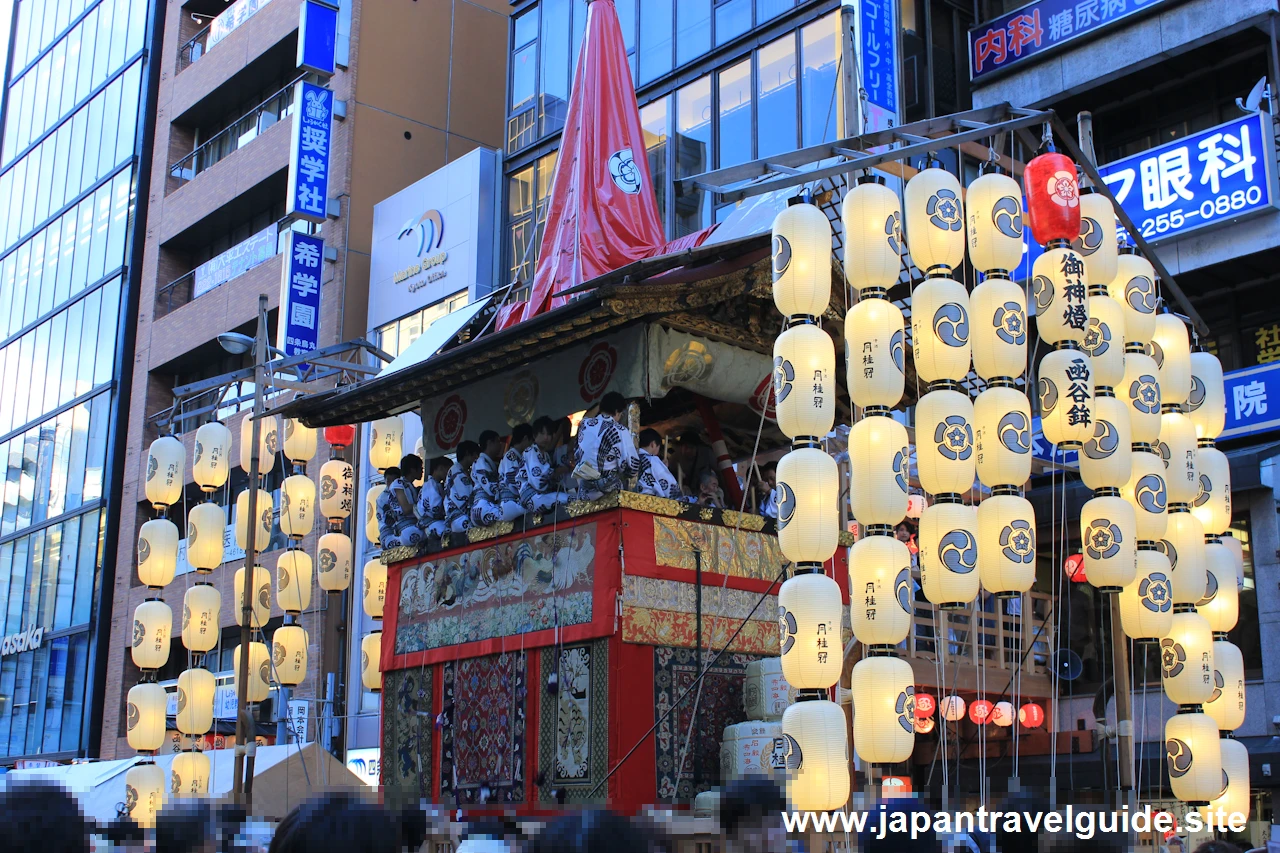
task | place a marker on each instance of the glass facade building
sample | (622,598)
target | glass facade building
(76,87)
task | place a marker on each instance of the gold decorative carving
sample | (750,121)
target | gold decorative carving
(493,531)
(745,520)
(651,504)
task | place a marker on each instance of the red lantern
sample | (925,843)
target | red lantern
(925,705)
(924,725)
(1053,198)
(1031,715)
(340,436)
(980,712)
(1074,567)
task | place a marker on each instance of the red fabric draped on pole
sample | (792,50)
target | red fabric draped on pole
(602,212)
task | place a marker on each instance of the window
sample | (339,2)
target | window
(1246,634)
(396,336)
(735,114)
(823,107)
(653,123)
(776,92)
(527,193)
(657,27)
(693,152)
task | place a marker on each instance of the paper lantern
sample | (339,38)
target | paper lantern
(924,725)
(299,441)
(801,261)
(375,588)
(1106,460)
(883,691)
(166,460)
(371,662)
(144,793)
(201,622)
(1177,447)
(1007,543)
(809,607)
(1145,491)
(1193,755)
(952,708)
(371,530)
(813,753)
(926,705)
(289,654)
(1146,604)
(1002,436)
(337,489)
(1237,552)
(1104,338)
(1061,296)
(211,465)
(1227,704)
(260,598)
(1171,349)
(1031,715)
(874,336)
(880,460)
(940,330)
(1140,389)
(1002,714)
(152,628)
(1221,603)
(335,561)
(1212,504)
(340,436)
(1108,535)
(262,530)
(872,235)
(1096,241)
(268,443)
(1207,402)
(1186,659)
(293,581)
(189,774)
(157,552)
(993,207)
(1065,388)
(1183,544)
(949,555)
(1053,197)
(1236,797)
(881,590)
(980,711)
(804,381)
(935,221)
(206,534)
(297,506)
(944,442)
(197,689)
(998,328)
(1134,287)
(145,711)
(808,505)
(916,505)
(259,684)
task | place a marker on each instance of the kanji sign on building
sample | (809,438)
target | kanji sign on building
(299,326)
(309,155)
(1253,400)
(878,61)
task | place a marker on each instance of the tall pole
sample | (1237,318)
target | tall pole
(244,719)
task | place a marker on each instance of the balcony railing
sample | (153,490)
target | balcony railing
(193,49)
(239,134)
(1000,635)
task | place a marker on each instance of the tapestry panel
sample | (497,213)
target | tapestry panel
(573,737)
(407,728)
(482,755)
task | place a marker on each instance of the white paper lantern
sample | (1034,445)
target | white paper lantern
(1235,799)
(262,531)
(1061,295)
(1104,338)
(1147,494)
(808,505)
(189,774)
(1106,460)
(872,235)
(813,754)
(1178,449)
(166,459)
(299,441)
(268,443)
(935,221)
(944,442)
(197,689)
(915,505)
(152,628)
(804,381)
(881,590)
(1002,436)
(1065,388)
(144,710)
(880,460)
(206,534)
(289,654)
(1212,504)
(293,581)
(809,607)
(1002,714)
(201,623)
(260,598)
(801,261)
(337,489)
(1237,552)
(371,530)
(211,464)
(157,552)
(884,706)
(1007,543)
(1146,604)
(940,330)
(371,661)
(952,708)
(297,506)
(875,336)
(1186,660)
(1183,544)
(1171,349)
(259,684)
(335,561)
(1140,389)
(1193,754)
(998,328)
(1207,402)
(1227,704)
(144,793)
(949,554)
(1134,287)
(993,208)
(1221,603)
(1097,241)
(375,588)
(1109,539)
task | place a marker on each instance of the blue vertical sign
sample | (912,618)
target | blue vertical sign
(878,62)
(317,37)
(309,154)
(299,323)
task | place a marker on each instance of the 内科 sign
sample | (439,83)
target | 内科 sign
(309,153)
(299,325)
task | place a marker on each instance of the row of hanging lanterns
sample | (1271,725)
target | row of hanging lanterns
(386,438)
(980,711)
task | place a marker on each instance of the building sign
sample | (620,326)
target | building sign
(427,232)
(299,325)
(237,260)
(878,58)
(309,153)
(23,641)
(299,714)
(1253,400)
(317,37)
(366,763)
(1037,28)
(235,15)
